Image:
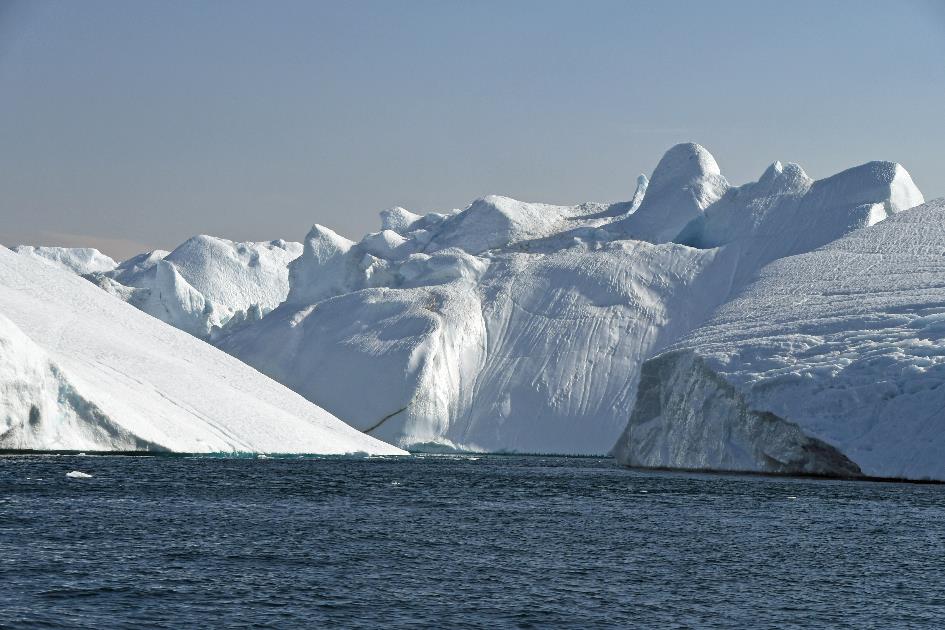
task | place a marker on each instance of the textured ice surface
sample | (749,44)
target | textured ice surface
(80,260)
(206,284)
(513,326)
(80,370)
(846,342)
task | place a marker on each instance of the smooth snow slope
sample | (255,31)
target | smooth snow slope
(206,284)
(512,326)
(80,260)
(81,370)
(842,348)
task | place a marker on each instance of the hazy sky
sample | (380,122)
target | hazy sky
(131,125)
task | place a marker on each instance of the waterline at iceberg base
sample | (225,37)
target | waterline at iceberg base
(521,327)
(845,345)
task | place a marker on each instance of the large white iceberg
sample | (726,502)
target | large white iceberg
(80,370)
(829,362)
(513,326)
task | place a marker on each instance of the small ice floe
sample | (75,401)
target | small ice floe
(78,474)
(644,491)
(792,498)
(395,483)
(261,456)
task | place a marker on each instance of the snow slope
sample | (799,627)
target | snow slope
(80,260)
(206,283)
(81,370)
(513,326)
(843,347)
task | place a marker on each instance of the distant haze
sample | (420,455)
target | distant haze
(134,125)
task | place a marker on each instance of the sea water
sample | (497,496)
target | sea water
(457,541)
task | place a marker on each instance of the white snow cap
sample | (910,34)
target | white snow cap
(685,182)
(398,219)
(683,163)
(80,260)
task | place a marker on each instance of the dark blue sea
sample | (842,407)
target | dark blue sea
(458,541)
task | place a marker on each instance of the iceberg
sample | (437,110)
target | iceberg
(828,362)
(80,370)
(522,327)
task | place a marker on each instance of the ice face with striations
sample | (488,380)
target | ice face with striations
(206,284)
(80,370)
(80,260)
(512,326)
(843,346)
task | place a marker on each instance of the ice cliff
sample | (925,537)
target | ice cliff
(80,370)
(844,345)
(526,327)
(513,326)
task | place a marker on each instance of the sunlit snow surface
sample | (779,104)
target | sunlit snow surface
(80,260)
(206,284)
(847,342)
(512,326)
(522,327)
(80,370)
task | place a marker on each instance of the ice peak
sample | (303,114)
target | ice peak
(685,182)
(321,269)
(398,219)
(321,239)
(782,178)
(772,172)
(683,162)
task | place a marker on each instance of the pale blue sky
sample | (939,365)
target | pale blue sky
(129,125)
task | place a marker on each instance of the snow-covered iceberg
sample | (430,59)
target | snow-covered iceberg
(206,284)
(513,326)
(80,260)
(80,370)
(828,362)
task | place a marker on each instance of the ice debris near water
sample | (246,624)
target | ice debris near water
(513,326)
(80,370)
(78,474)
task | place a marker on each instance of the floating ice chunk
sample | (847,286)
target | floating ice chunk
(78,474)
